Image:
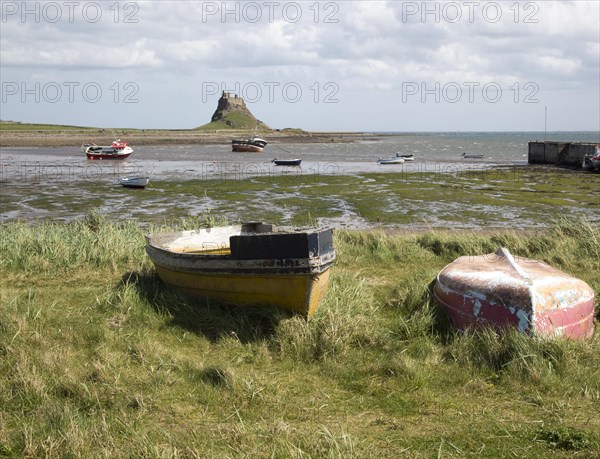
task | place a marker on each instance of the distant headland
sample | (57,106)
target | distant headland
(231,119)
(16,134)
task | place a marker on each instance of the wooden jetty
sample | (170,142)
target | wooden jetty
(559,153)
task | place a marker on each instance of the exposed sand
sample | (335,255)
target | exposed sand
(64,138)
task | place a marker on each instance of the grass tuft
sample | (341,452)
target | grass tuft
(564,438)
(217,376)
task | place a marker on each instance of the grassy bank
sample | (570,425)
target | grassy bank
(97,357)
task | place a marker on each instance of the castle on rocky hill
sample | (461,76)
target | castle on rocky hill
(232,113)
(229,102)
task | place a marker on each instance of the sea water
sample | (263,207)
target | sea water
(34,180)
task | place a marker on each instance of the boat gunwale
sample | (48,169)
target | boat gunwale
(173,235)
(159,248)
(226,263)
(235,230)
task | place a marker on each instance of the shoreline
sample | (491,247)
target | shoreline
(69,138)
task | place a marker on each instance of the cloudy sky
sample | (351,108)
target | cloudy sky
(344,65)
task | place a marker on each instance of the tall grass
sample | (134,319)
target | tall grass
(98,357)
(54,246)
(90,241)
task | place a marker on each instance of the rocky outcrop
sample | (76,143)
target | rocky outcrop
(232,112)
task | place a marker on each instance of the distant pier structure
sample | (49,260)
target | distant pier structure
(559,153)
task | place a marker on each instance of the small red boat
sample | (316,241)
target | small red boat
(499,290)
(116,150)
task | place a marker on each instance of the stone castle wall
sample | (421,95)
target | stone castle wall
(231,102)
(233,99)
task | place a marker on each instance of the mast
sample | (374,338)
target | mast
(545,122)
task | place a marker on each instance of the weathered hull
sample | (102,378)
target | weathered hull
(287,162)
(587,164)
(134,182)
(135,187)
(108,152)
(300,293)
(117,150)
(499,291)
(240,148)
(253,145)
(108,155)
(391,161)
(247,267)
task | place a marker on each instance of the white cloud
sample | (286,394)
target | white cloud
(560,65)
(366,46)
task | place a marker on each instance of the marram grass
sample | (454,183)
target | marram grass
(99,359)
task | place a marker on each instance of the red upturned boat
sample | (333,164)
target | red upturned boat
(116,150)
(499,290)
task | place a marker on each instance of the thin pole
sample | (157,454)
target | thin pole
(545,121)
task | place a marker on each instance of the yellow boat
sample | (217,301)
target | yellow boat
(247,264)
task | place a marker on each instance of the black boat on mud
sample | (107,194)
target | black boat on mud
(253,145)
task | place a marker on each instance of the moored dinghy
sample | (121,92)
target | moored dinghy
(116,150)
(499,290)
(287,162)
(247,264)
(406,157)
(134,182)
(472,155)
(252,145)
(394,160)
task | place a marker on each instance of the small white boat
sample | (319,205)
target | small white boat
(134,182)
(116,150)
(395,160)
(409,157)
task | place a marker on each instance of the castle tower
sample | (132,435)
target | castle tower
(232,103)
